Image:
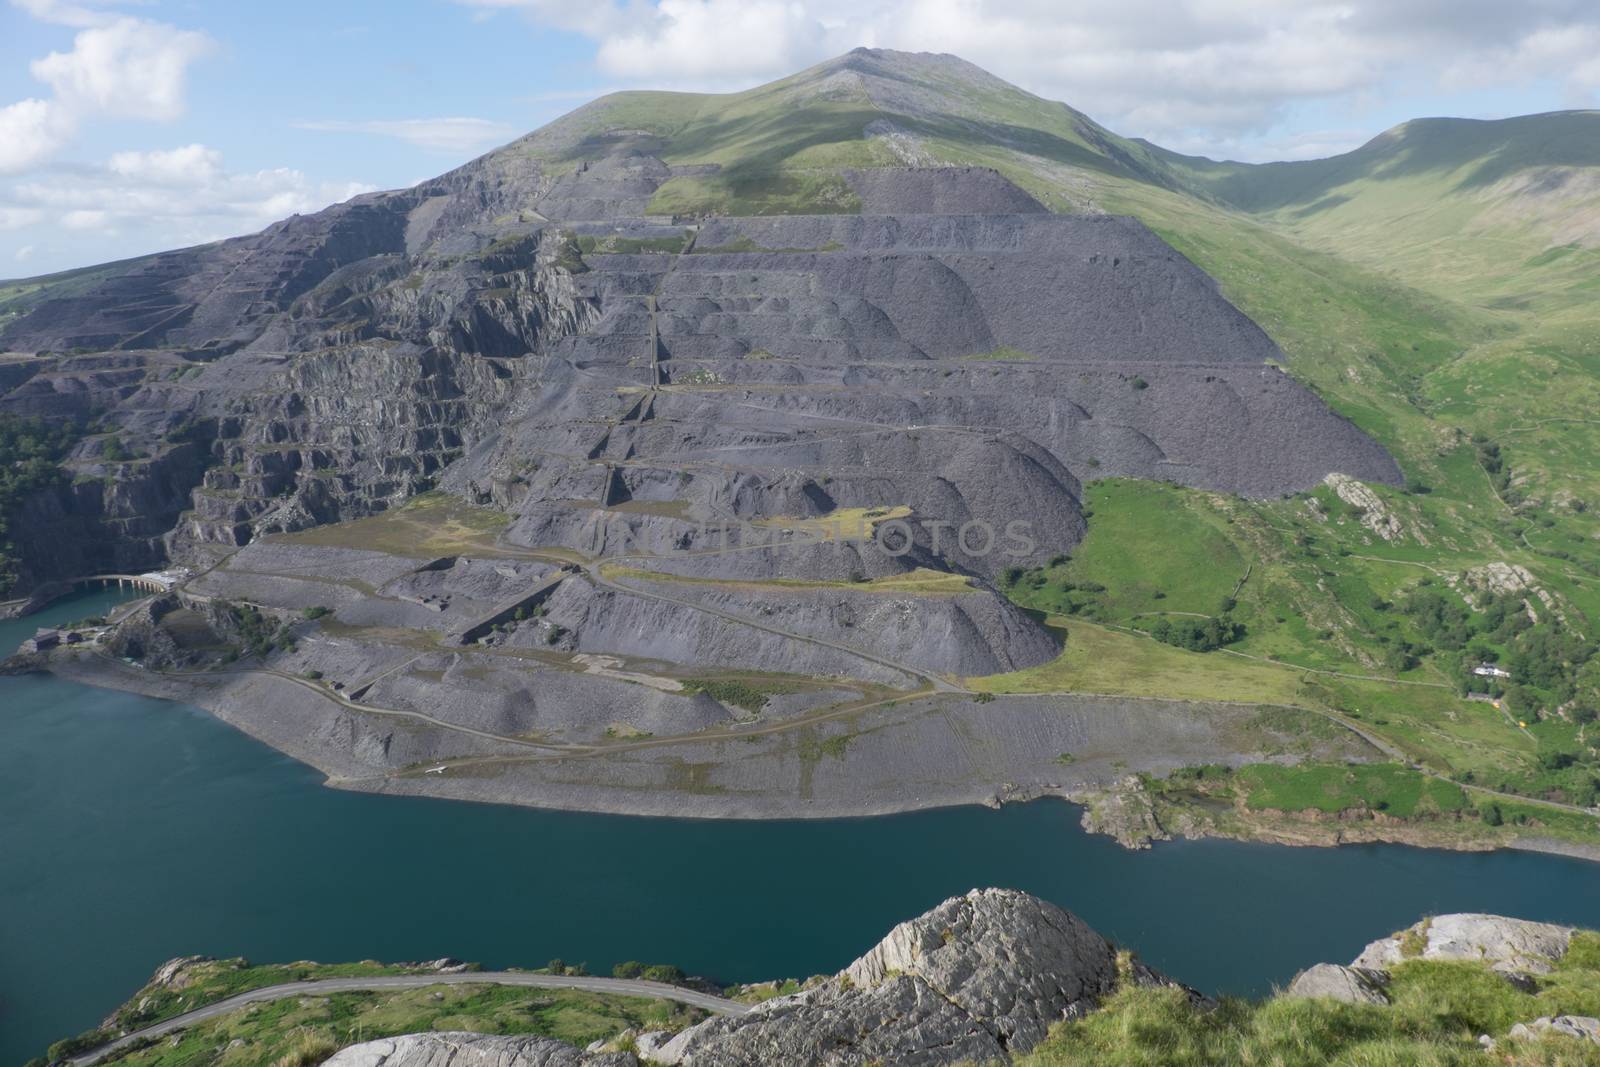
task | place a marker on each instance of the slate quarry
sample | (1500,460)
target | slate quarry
(677,421)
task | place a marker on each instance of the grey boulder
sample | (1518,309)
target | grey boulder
(1582,1027)
(977,979)
(457,1049)
(1351,985)
(1509,945)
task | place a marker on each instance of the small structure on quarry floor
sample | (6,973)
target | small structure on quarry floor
(43,640)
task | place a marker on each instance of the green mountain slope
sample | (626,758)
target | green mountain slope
(1434,285)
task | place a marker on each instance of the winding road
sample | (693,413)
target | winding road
(626,987)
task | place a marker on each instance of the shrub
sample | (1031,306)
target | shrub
(664,973)
(307,1049)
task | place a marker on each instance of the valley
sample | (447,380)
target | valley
(609,472)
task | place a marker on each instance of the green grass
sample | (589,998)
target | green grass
(1389,788)
(429,525)
(1151,547)
(305,1030)
(214,980)
(1096,659)
(750,695)
(613,244)
(1439,1010)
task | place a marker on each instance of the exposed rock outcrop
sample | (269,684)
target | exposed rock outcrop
(1514,945)
(459,1049)
(1581,1027)
(1513,948)
(528,339)
(1351,985)
(976,979)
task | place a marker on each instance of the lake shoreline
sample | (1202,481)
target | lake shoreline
(213,694)
(224,846)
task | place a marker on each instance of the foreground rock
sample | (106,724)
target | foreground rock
(1508,945)
(1581,1027)
(976,979)
(1516,949)
(457,1049)
(1350,985)
(986,977)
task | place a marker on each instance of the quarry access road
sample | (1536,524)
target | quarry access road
(346,702)
(725,734)
(625,987)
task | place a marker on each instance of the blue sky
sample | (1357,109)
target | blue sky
(127,126)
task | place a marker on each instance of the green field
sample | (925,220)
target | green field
(1388,788)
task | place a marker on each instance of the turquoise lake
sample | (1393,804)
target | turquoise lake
(134,830)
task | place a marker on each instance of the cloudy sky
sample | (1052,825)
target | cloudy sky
(128,126)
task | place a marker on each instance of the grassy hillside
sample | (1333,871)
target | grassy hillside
(297,1031)
(1439,1011)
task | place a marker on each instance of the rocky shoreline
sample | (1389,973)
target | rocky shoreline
(821,782)
(903,756)
(1126,811)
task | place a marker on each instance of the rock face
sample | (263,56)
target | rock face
(667,411)
(1511,945)
(1582,1027)
(976,979)
(523,332)
(1351,985)
(1513,948)
(979,979)
(457,1049)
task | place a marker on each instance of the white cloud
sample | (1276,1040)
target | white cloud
(191,165)
(594,18)
(180,196)
(453,135)
(31,131)
(127,68)
(15,218)
(23,254)
(83,219)
(118,67)
(1207,74)
(1569,53)
(64,14)
(730,38)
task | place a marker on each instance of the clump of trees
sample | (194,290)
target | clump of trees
(30,454)
(664,973)
(259,634)
(1198,635)
(1549,665)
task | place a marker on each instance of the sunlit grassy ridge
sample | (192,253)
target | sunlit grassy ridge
(1439,1011)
